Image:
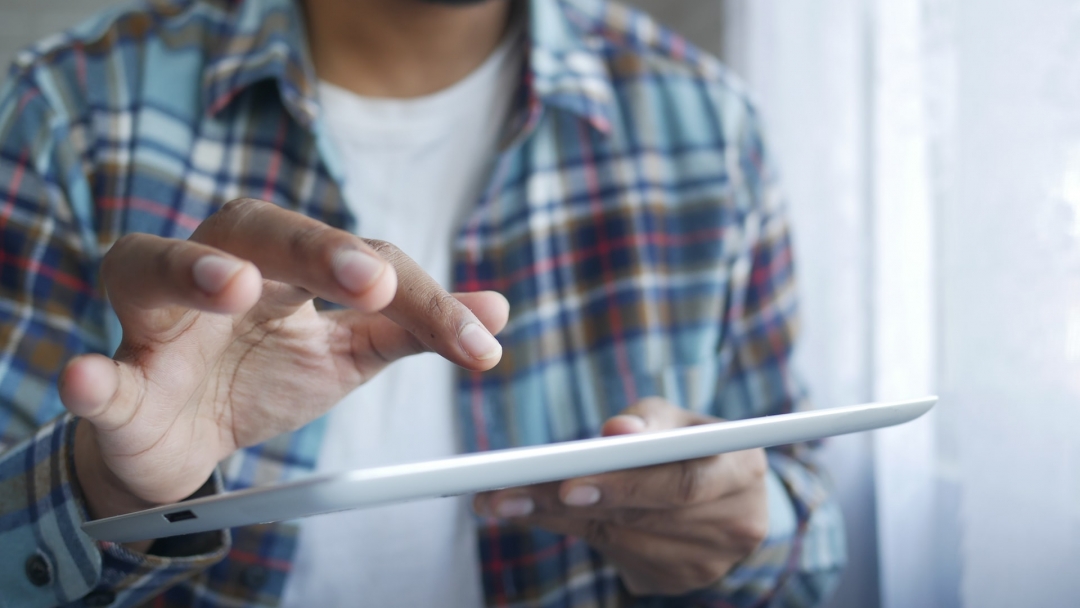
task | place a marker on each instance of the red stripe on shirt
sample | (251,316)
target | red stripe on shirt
(143,204)
(36,267)
(604,246)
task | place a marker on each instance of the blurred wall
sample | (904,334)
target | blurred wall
(24,21)
(698,20)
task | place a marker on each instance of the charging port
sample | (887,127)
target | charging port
(179,516)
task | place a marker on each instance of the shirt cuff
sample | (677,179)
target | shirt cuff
(758,574)
(48,559)
(799,561)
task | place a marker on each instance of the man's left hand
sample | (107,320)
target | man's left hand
(669,529)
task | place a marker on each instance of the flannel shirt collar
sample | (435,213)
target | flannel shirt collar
(566,67)
(266,40)
(263,40)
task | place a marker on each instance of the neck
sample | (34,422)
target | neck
(401,48)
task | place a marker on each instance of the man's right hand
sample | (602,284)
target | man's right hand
(223,347)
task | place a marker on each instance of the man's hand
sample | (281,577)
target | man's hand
(223,347)
(669,529)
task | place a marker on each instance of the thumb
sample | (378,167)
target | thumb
(649,414)
(98,389)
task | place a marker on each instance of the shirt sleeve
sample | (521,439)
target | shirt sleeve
(799,563)
(50,312)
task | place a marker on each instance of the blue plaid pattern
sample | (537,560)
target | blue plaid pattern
(632,219)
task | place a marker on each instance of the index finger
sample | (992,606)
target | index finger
(365,275)
(292,248)
(437,318)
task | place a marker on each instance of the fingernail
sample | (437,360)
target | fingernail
(356,270)
(213,272)
(514,507)
(479,343)
(582,496)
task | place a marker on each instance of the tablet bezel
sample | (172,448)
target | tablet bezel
(483,471)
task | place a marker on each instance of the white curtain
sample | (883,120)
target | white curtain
(931,150)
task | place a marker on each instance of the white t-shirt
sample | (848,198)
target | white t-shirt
(413,169)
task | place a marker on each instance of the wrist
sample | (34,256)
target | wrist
(104,493)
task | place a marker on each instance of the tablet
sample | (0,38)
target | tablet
(494,470)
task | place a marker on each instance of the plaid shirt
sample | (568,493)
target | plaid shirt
(632,220)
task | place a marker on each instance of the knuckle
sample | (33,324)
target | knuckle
(126,242)
(702,574)
(119,250)
(689,489)
(384,248)
(750,533)
(654,405)
(166,257)
(637,586)
(631,518)
(629,489)
(239,207)
(389,252)
(673,578)
(757,466)
(220,225)
(597,533)
(442,305)
(127,248)
(308,242)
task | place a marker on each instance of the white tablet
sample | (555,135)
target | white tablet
(485,471)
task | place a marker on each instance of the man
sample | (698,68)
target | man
(605,178)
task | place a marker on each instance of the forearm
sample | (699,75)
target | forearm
(102,493)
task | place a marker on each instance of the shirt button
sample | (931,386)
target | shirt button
(101,597)
(37,570)
(253,577)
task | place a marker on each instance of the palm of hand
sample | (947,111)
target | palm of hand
(254,376)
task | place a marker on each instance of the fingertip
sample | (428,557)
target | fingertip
(579,494)
(88,383)
(243,290)
(379,294)
(490,307)
(225,284)
(479,344)
(514,506)
(213,273)
(502,312)
(369,280)
(356,270)
(499,298)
